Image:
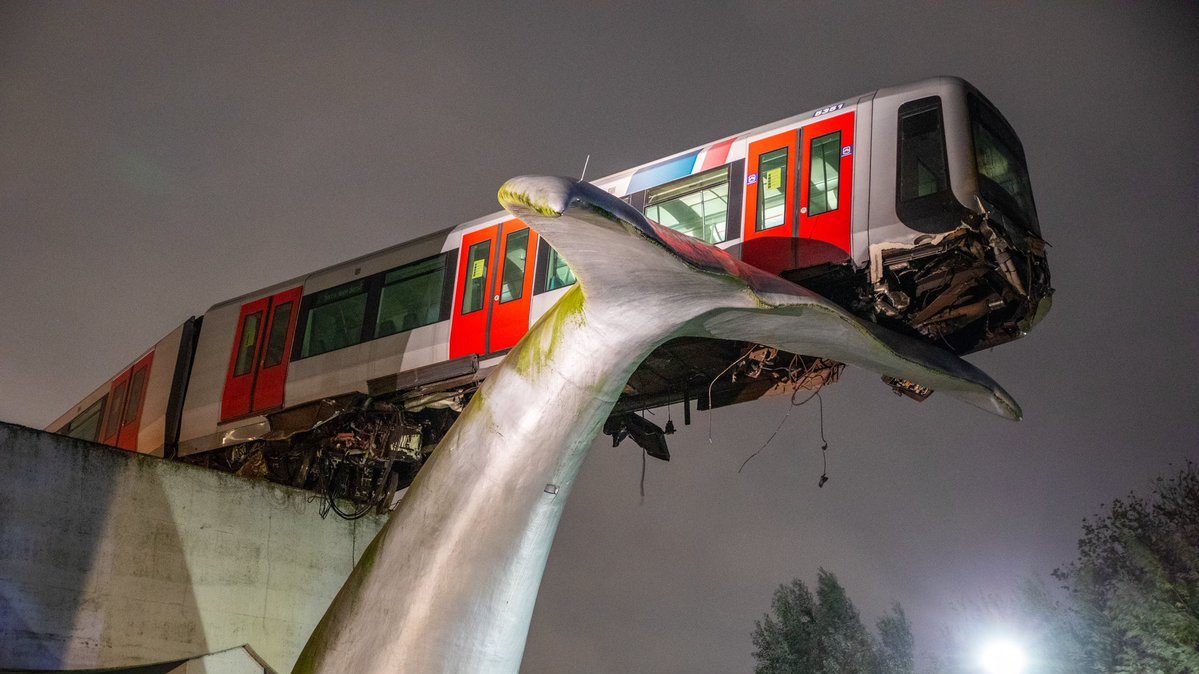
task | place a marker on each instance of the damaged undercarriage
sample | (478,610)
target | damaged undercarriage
(356,454)
(356,451)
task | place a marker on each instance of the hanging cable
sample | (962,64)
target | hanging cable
(713,383)
(824,379)
(778,428)
(824,444)
(643,453)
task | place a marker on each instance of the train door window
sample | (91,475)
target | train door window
(512,276)
(772,189)
(557,273)
(335,319)
(479,256)
(412,296)
(137,389)
(276,340)
(86,425)
(697,205)
(824,181)
(249,342)
(116,410)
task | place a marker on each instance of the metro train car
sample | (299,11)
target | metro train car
(910,206)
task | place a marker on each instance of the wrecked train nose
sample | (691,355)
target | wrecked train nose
(973,288)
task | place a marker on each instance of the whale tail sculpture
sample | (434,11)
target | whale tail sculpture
(450,582)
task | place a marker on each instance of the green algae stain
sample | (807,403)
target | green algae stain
(538,347)
(507,196)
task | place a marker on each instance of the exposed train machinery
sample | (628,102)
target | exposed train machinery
(909,206)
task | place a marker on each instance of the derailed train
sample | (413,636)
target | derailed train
(909,206)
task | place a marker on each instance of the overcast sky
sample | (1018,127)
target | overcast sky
(158,158)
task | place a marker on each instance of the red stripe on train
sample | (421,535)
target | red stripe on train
(717,154)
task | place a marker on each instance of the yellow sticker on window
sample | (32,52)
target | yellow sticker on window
(774,179)
(479,270)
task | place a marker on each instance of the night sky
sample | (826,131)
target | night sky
(156,159)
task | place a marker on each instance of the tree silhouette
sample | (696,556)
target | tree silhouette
(1134,589)
(823,634)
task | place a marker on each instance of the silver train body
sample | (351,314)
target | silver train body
(910,206)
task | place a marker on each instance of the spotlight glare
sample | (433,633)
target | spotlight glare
(1003,656)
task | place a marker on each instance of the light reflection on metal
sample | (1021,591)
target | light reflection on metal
(450,582)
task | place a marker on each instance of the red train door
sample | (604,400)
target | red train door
(276,351)
(495,287)
(126,397)
(826,189)
(117,392)
(261,350)
(770,202)
(131,420)
(513,289)
(472,302)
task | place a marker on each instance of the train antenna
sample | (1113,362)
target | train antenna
(585,163)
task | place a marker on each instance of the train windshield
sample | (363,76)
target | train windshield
(1002,171)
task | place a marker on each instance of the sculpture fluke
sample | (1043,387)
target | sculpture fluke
(594,232)
(449,583)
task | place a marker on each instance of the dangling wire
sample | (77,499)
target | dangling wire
(815,394)
(643,453)
(824,444)
(713,383)
(778,428)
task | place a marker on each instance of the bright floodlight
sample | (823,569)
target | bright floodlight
(1003,656)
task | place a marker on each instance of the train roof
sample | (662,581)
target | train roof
(608,182)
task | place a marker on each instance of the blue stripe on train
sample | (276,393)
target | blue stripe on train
(664,172)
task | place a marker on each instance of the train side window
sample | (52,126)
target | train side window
(137,388)
(824,186)
(335,319)
(411,296)
(697,205)
(557,273)
(512,275)
(479,256)
(86,425)
(112,419)
(923,199)
(923,168)
(249,339)
(772,189)
(276,339)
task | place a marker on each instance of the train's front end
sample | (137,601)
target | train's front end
(955,247)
